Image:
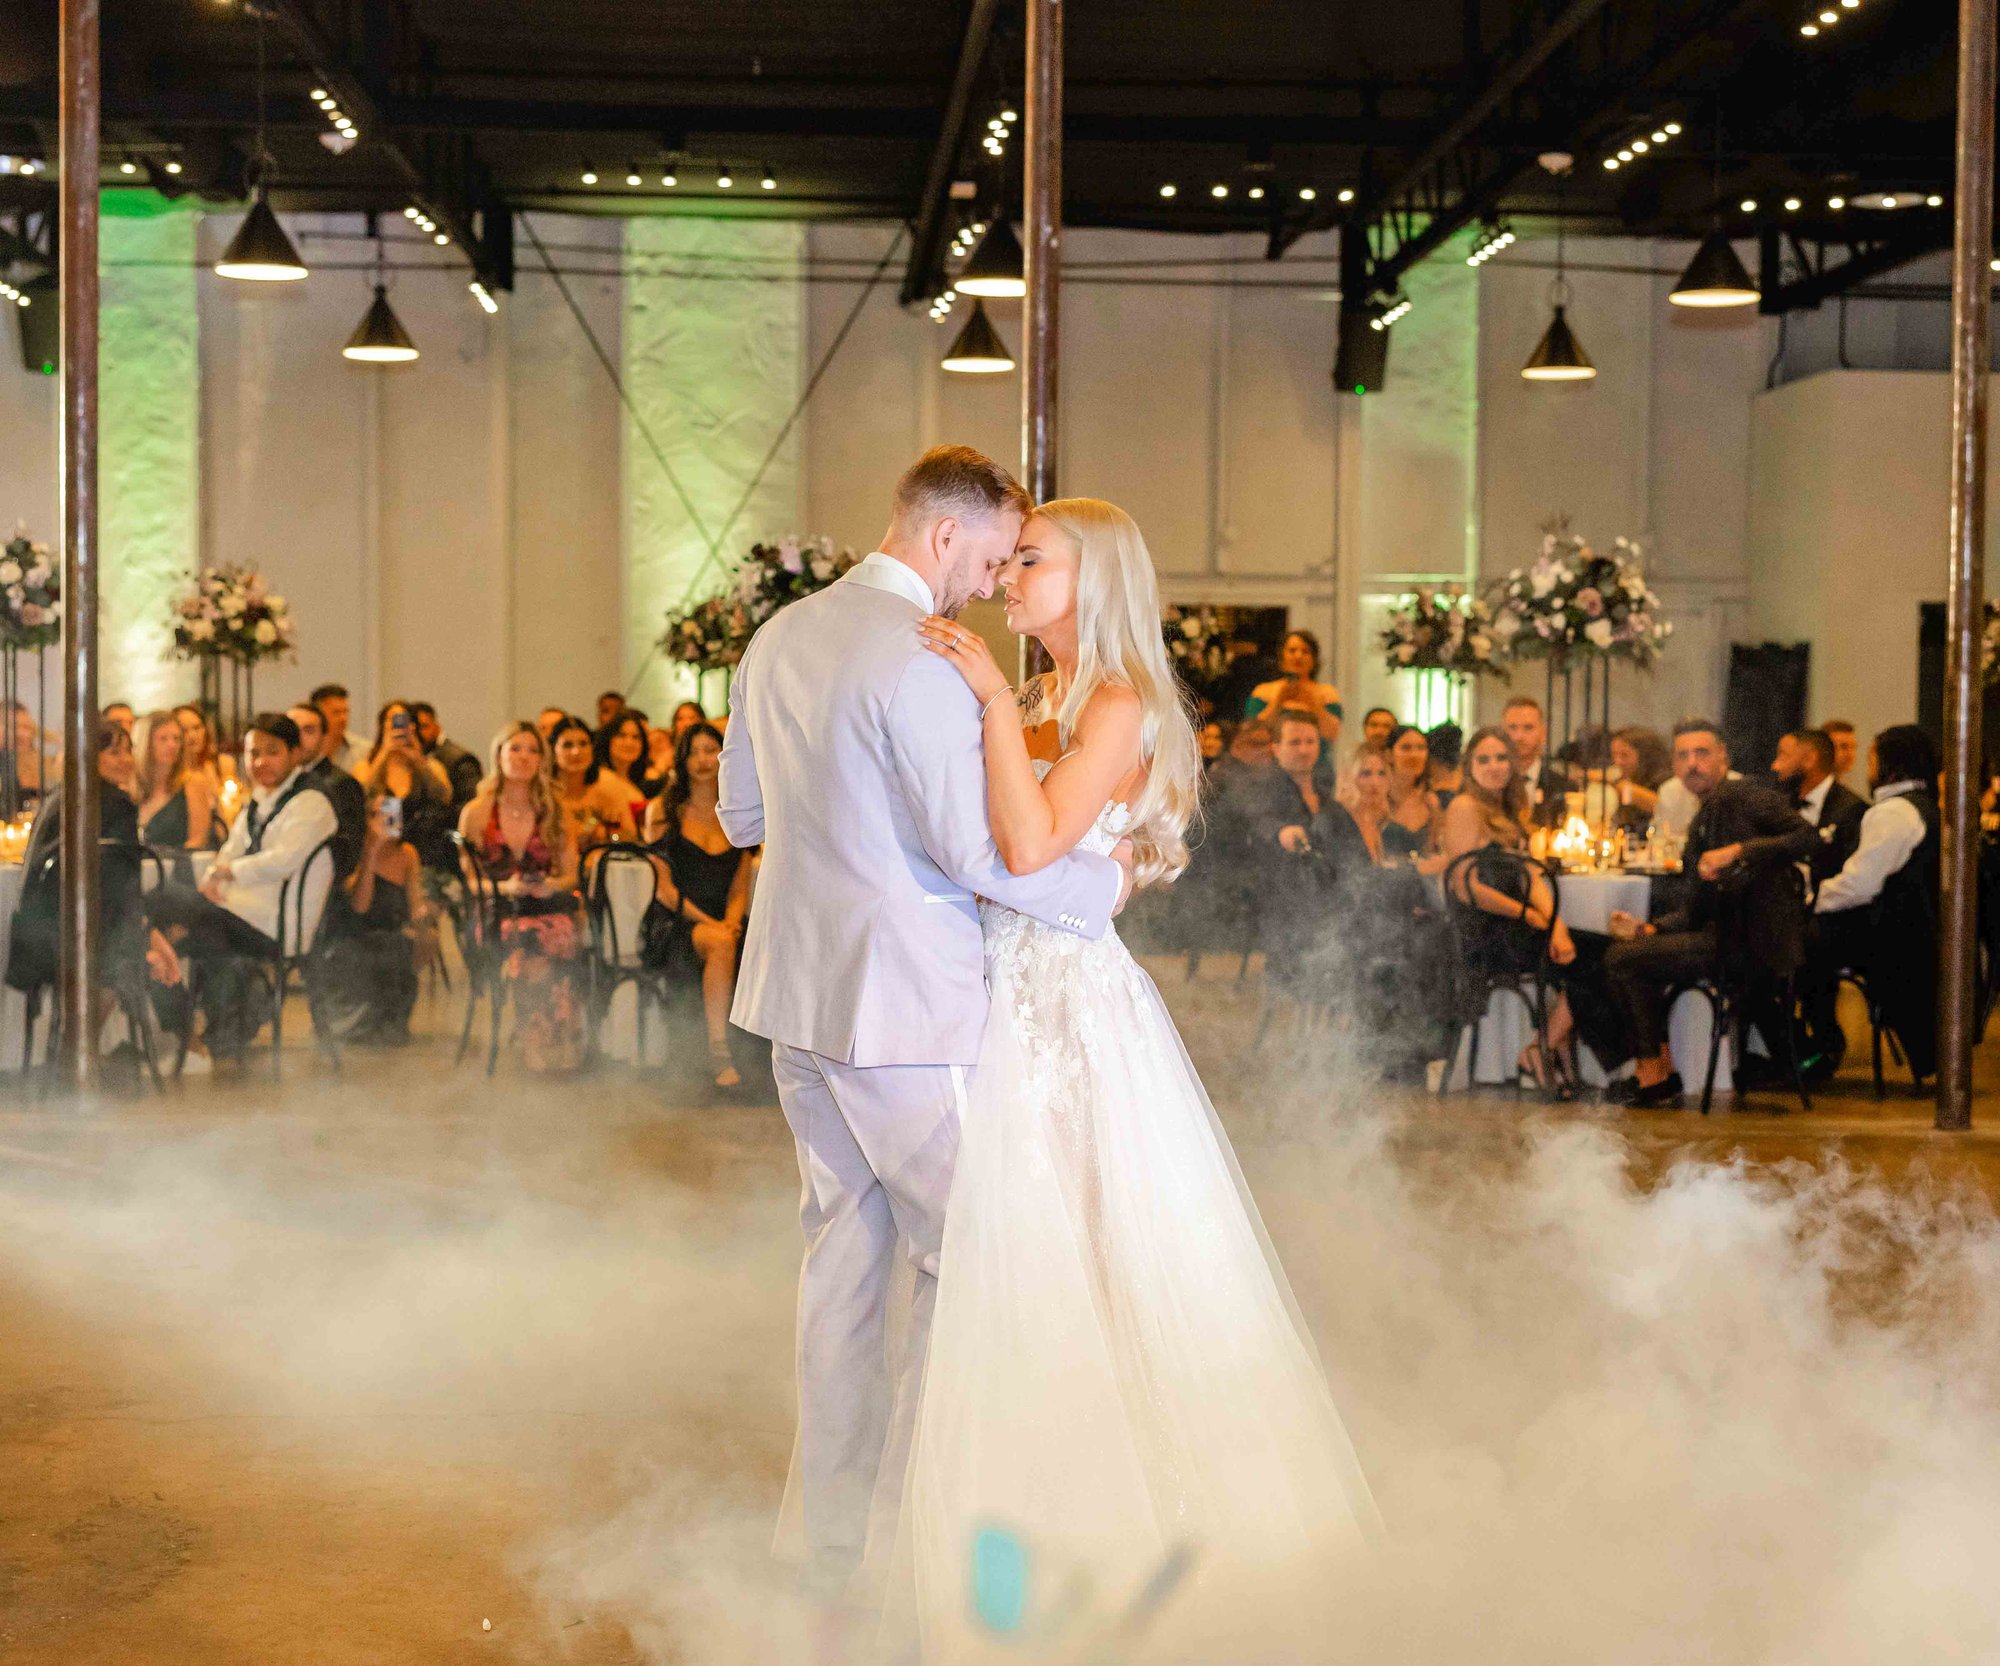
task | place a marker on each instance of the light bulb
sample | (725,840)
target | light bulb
(173,167)
(128,167)
(1836,202)
(441,240)
(1611,164)
(1345,196)
(723,182)
(1749,205)
(1010,115)
(1808,29)
(1660,137)
(590,176)
(1640,147)
(1791,205)
(768,182)
(632,178)
(1255,193)
(1673,129)
(1218,191)
(1170,190)
(670,179)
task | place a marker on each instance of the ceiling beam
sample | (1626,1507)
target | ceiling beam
(1928,232)
(447,202)
(926,264)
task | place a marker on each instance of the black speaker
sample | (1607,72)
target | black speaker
(1362,363)
(41,327)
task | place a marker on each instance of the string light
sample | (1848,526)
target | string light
(1345,196)
(1307,194)
(632,176)
(1748,205)
(769,182)
(1630,150)
(723,181)
(1836,203)
(128,167)
(589,174)
(483,296)
(1492,239)
(1218,191)
(1170,190)
(1826,17)
(670,179)
(1390,314)
(1255,193)
(1792,205)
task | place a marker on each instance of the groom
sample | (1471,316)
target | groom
(853,756)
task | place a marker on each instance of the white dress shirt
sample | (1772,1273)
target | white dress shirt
(1891,830)
(255,879)
(885,572)
(1677,807)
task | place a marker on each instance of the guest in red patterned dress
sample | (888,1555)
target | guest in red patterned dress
(523,841)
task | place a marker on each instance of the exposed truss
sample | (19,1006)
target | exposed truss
(1798,273)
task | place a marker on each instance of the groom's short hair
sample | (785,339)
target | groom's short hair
(957,480)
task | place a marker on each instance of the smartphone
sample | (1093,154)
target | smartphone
(392,817)
(399,725)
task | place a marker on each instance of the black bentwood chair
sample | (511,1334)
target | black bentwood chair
(478,924)
(1479,972)
(618,881)
(302,903)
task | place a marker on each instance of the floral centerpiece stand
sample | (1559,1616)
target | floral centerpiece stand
(30,623)
(710,635)
(228,622)
(1442,628)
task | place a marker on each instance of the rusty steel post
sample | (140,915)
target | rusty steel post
(1971,309)
(1041,239)
(81,114)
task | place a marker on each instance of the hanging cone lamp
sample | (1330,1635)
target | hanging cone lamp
(380,338)
(978,351)
(996,266)
(1559,357)
(1715,277)
(260,252)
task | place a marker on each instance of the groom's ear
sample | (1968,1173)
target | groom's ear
(943,531)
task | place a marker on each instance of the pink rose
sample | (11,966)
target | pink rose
(1590,601)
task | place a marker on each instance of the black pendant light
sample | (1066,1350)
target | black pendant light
(380,337)
(978,351)
(1558,356)
(260,252)
(1715,277)
(996,266)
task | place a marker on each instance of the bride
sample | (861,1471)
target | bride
(1124,1427)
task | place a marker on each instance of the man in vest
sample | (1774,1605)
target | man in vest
(235,913)
(1879,913)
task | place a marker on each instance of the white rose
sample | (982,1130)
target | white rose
(1599,632)
(201,630)
(266,632)
(230,606)
(10,572)
(1507,626)
(1543,582)
(275,603)
(39,573)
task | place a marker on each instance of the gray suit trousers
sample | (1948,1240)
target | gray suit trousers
(876,1148)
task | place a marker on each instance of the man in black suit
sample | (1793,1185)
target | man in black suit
(1741,841)
(343,792)
(1804,767)
(1527,730)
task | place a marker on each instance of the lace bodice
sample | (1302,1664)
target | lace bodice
(1113,822)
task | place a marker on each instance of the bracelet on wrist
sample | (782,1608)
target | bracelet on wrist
(990,704)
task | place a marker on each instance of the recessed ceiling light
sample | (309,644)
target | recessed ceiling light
(1170,190)
(1748,205)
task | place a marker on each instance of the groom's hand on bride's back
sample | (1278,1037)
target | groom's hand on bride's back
(1121,853)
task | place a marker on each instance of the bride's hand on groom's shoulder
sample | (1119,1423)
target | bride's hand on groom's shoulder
(967,650)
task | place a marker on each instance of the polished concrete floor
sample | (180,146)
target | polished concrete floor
(409,1365)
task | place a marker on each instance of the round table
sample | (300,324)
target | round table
(1586,902)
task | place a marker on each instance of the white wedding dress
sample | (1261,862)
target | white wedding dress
(1118,1379)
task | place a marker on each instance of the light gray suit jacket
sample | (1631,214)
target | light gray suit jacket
(853,756)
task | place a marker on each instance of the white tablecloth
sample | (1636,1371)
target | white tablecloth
(1586,902)
(629,888)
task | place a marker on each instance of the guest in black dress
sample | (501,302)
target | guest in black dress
(621,759)
(176,804)
(1515,930)
(370,971)
(1410,833)
(702,894)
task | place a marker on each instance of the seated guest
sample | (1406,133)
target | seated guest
(1410,832)
(235,913)
(34,955)
(203,759)
(1447,745)
(1846,746)
(120,712)
(520,840)
(703,885)
(660,745)
(461,766)
(176,805)
(609,704)
(343,792)
(370,969)
(596,810)
(1298,688)
(1546,781)
(1743,837)
(398,767)
(1378,723)
(1365,786)
(686,715)
(1879,912)
(1804,769)
(1640,763)
(1509,930)
(548,718)
(1311,846)
(621,760)
(1219,894)
(335,708)
(1213,743)
(27,754)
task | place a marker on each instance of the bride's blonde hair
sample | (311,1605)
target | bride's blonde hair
(1119,640)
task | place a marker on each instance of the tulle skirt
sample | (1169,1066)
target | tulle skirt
(1125,1430)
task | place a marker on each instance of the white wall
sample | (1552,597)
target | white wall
(1850,516)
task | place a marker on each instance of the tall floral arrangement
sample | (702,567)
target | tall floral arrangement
(30,594)
(1197,642)
(1989,644)
(229,613)
(1573,602)
(711,634)
(1441,627)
